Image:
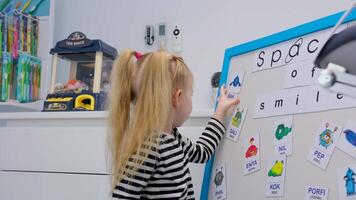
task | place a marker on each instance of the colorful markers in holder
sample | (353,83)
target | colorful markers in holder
(1,43)
(20,69)
(6,76)
(28,75)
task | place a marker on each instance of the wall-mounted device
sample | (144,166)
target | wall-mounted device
(162,36)
(177,38)
(149,35)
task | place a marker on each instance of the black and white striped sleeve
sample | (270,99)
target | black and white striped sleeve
(132,187)
(204,148)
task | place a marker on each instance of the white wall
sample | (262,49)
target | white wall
(209,27)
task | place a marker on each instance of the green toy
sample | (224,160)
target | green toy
(277,169)
(282,131)
(236,120)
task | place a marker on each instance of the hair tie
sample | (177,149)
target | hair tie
(138,55)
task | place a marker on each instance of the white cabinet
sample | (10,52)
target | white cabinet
(53,186)
(54,149)
(56,156)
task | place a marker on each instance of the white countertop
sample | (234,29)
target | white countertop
(78,115)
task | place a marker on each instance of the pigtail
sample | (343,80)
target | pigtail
(120,102)
(154,99)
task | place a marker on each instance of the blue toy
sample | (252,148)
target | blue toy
(350,182)
(236,81)
(350,137)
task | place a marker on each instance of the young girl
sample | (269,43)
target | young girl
(151,97)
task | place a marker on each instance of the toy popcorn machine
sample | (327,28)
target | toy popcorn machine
(85,66)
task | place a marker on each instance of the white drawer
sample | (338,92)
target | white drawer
(49,186)
(53,149)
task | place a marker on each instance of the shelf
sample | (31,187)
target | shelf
(53,115)
(77,114)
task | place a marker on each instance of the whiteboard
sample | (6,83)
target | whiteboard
(300,173)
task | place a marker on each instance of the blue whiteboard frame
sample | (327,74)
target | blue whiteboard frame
(298,31)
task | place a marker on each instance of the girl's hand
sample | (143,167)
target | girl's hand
(224,104)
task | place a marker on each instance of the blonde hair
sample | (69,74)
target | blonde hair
(147,84)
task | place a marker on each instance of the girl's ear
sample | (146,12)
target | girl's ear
(176,99)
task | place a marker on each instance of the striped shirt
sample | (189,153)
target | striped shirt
(165,174)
